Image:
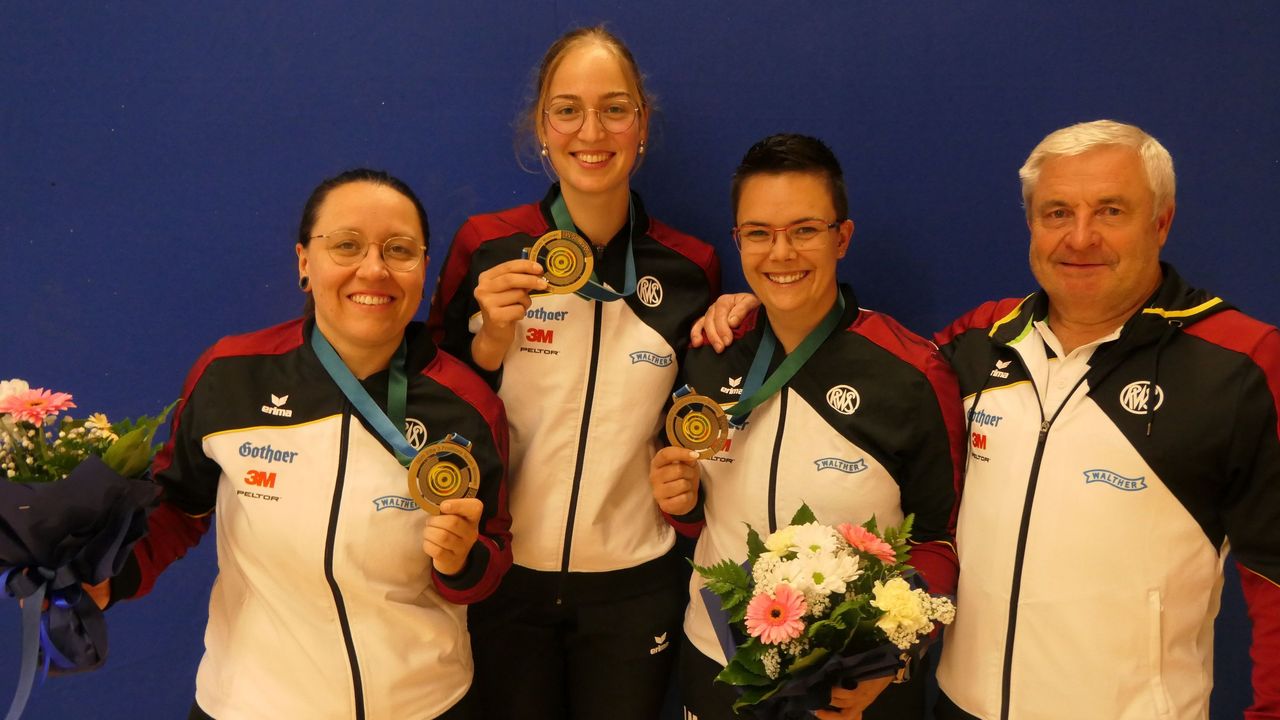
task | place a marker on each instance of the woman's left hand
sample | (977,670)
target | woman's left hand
(449,536)
(851,703)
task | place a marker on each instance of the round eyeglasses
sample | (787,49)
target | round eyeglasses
(348,247)
(751,237)
(616,116)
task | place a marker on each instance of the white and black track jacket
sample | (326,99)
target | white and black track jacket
(584,385)
(325,605)
(1092,537)
(870,425)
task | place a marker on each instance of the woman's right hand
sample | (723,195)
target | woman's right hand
(673,474)
(502,292)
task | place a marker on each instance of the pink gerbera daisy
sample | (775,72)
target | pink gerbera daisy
(35,405)
(776,618)
(863,540)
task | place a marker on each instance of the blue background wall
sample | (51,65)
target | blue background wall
(154,158)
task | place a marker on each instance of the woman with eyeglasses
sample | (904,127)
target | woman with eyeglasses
(337,597)
(583,625)
(831,405)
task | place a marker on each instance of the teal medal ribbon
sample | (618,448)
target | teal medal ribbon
(594,289)
(388,425)
(757,389)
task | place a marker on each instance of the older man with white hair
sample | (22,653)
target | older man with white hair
(1122,436)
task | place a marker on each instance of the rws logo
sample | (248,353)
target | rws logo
(649,290)
(1137,395)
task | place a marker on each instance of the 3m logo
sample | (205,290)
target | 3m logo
(415,433)
(1136,395)
(649,290)
(540,335)
(276,407)
(260,478)
(843,399)
(979,441)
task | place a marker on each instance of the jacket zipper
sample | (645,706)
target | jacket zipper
(582,449)
(334,509)
(1006,684)
(773,464)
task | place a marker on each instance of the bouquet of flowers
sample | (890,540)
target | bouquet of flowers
(71,508)
(818,604)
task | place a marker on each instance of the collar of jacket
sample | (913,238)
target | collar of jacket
(1174,304)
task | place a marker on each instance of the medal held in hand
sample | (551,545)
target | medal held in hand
(566,260)
(697,423)
(442,471)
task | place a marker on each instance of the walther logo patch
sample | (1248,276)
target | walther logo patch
(844,466)
(653,358)
(394,502)
(1115,480)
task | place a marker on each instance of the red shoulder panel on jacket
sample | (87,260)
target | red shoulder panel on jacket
(983,316)
(1233,330)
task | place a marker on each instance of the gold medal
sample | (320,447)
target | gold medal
(698,423)
(442,471)
(566,260)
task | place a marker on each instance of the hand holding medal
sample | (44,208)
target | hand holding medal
(697,423)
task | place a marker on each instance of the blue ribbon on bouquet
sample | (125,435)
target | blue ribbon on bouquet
(53,537)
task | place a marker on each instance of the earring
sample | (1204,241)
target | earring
(641,148)
(544,149)
(304,282)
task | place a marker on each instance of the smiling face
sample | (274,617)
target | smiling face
(363,309)
(796,287)
(1096,235)
(592,160)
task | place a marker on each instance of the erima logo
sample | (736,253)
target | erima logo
(415,433)
(1136,395)
(659,644)
(546,315)
(734,387)
(394,502)
(999,372)
(644,356)
(1115,480)
(843,399)
(276,407)
(984,418)
(649,290)
(845,466)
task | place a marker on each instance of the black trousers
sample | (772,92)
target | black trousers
(581,646)
(705,699)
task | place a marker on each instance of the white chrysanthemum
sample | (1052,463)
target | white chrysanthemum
(781,543)
(815,539)
(13,387)
(827,574)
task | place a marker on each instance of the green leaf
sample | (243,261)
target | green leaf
(731,583)
(814,657)
(755,546)
(737,673)
(131,454)
(803,516)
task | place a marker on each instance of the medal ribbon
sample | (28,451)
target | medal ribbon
(385,424)
(757,389)
(594,290)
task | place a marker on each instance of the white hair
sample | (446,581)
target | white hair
(1082,137)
